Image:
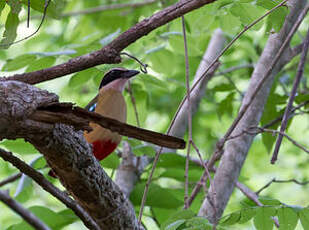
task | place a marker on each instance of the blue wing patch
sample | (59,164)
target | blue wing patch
(92,108)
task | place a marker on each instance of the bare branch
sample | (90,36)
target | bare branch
(29,217)
(10,179)
(189,113)
(274,180)
(49,187)
(111,53)
(288,108)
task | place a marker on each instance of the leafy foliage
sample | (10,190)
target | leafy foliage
(157,95)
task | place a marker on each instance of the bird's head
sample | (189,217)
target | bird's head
(116,78)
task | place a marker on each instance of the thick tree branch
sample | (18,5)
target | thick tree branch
(66,113)
(110,53)
(236,150)
(68,154)
(49,187)
(29,217)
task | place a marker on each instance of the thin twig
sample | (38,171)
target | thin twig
(143,66)
(234,68)
(288,109)
(29,217)
(212,200)
(273,122)
(28,14)
(50,188)
(189,113)
(274,180)
(10,179)
(130,91)
(283,134)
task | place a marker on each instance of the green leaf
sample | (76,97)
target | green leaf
(178,174)
(269,201)
(223,87)
(288,218)
(301,98)
(54,9)
(41,63)
(233,218)
(157,197)
(247,13)
(144,150)
(180,216)
(199,223)
(10,32)
(24,189)
(174,225)
(263,219)
(171,160)
(246,214)
(18,146)
(229,23)
(2,5)
(270,113)
(51,218)
(226,105)
(84,76)
(69,216)
(141,97)
(112,161)
(304,218)
(276,18)
(19,62)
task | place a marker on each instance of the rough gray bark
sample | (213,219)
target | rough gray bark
(68,154)
(130,169)
(236,150)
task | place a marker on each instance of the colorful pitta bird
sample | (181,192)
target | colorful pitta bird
(109,103)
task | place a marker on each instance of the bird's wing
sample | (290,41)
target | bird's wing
(92,104)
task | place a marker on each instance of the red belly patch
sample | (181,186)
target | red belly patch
(102,148)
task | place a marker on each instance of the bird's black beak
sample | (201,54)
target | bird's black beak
(129,73)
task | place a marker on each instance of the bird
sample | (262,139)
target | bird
(109,103)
